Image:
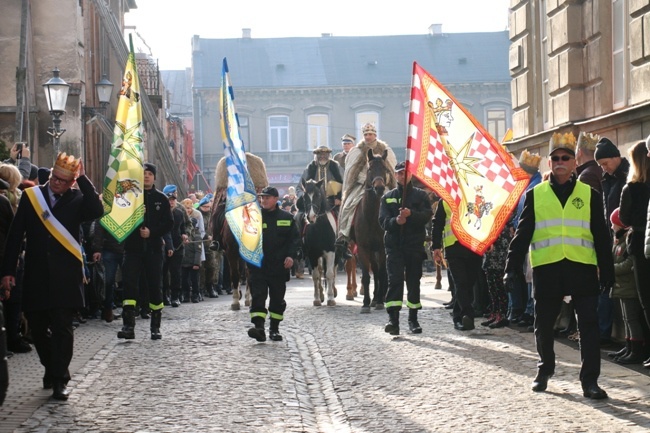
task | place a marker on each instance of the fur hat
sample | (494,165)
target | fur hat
(606,149)
(369,128)
(322,149)
(562,141)
(66,166)
(529,162)
(587,141)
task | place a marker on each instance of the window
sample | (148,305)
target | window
(620,72)
(278,133)
(364,117)
(317,130)
(544,63)
(496,123)
(244,132)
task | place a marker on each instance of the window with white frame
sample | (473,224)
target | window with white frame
(244,132)
(364,117)
(496,123)
(317,130)
(620,77)
(278,133)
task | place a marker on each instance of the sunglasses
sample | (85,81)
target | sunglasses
(565,158)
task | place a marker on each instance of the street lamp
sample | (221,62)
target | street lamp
(56,95)
(104,91)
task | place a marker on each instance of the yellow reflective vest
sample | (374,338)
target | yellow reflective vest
(448,236)
(562,233)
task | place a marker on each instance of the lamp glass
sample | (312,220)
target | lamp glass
(104,90)
(56,93)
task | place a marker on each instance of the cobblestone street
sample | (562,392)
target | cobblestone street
(335,371)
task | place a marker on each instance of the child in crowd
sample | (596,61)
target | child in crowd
(625,291)
(191,264)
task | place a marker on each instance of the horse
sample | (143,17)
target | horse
(351,272)
(319,236)
(221,232)
(368,234)
(477,211)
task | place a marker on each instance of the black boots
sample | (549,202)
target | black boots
(274,332)
(257,332)
(128,320)
(392,327)
(634,356)
(414,326)
(156,317)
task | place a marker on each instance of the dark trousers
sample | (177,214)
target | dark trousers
(465,272)
(172,274)
(273,287)
(586,307)
(146,265)
(190,278)
(111,262)
(404,266)
(53,339)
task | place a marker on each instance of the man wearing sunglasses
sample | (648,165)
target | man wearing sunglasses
(570,253)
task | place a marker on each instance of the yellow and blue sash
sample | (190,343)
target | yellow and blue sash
(53,225)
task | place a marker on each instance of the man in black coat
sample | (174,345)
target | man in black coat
(570,252)
(404,213)
(49,218)
(143,258)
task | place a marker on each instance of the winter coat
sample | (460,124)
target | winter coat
(625,286)
(633,213)
(193,250)
(612,186)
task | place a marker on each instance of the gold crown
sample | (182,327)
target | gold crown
(565,141)
(529,159)
(67,164)
(588,141)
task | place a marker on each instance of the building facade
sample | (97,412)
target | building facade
(579,66)
(295,94)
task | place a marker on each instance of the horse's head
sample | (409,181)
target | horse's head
(378,175)
(314,199)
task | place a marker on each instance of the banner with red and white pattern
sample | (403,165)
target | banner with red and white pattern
(450,152)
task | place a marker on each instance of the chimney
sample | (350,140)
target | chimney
(435,29)
(326,35)
(246,33)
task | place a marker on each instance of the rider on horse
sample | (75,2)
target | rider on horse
(356,164)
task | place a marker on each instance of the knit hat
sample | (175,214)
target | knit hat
(606,149)
(43,175)
(615,218)
(150,167)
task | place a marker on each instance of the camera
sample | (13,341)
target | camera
(19,150)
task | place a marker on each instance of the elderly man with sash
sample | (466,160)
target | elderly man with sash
(570,252)
(49,218)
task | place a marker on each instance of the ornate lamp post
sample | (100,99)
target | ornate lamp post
(56,95)
(104,91)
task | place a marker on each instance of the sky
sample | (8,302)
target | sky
(165,31)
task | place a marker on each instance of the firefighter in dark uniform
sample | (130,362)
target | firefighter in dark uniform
(280,245)
(404,213)
(143,257)
(570,252)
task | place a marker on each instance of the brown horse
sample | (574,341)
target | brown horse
(351,272)
(221,232)
(369,236)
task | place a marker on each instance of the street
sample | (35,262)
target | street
(335,371)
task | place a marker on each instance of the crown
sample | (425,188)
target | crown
(67,164)
(588,141)
(529,159)
(565,141)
